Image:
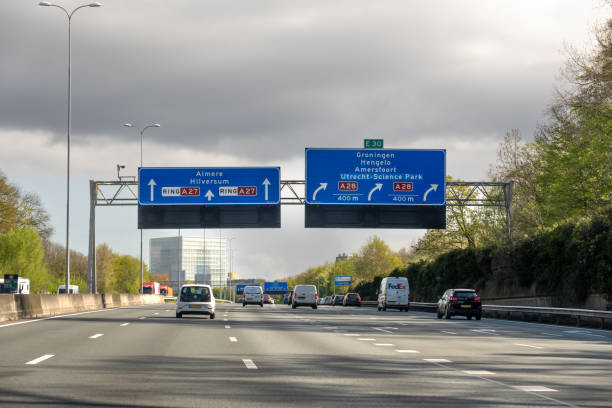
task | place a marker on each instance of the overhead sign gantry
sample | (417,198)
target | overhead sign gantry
(375,188)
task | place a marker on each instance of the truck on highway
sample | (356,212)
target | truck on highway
(165,290)
(15,284)
(150,288)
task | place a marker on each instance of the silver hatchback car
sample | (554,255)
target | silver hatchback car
(195,299)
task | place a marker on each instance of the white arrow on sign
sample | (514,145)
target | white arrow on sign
(322,187)
(152,184)
(378,187)
(209,194)
(266,183)
(434,187)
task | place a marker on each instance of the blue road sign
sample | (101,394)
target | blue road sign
(240,289)
(208,185)
(343,280)
(375,177)
(275,287)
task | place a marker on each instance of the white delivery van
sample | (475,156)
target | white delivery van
(252,295)
(71,289)
(393,294)
(304,295)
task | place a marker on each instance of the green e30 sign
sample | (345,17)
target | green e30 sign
(373,143)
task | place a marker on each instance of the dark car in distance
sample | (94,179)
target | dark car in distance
(337,300)
(460,302)
(351,299)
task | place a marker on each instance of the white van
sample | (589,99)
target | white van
(393,294)
(71,289)
(304,295)
(252,295)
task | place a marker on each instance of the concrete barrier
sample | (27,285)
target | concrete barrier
(15,307)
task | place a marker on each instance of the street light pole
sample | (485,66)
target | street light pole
(141,132)
(69,15)
(231,268)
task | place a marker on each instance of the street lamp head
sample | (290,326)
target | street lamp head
(44,3)
(95,4)
(128,125)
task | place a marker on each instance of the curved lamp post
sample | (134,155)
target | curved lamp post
(69,15)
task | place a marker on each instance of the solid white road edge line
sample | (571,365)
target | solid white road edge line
(41,358)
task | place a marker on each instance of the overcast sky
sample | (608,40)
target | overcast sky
(252,83)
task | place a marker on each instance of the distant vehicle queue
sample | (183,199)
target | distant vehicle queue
(393,293)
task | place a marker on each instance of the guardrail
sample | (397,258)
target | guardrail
(524,311)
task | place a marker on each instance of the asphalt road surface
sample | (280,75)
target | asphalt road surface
(278,357)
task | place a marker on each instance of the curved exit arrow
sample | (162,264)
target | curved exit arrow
(434,187)
(378,187)
(322,187)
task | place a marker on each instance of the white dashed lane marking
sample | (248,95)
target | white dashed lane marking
(95,336)
(233,339)
(352,334)
(477,372)
(528,345)
(534,388)
(39,359)
(227,326)
(141,318)
(366,339)
(123,324)
(384,344)
(407,351)
(437,360)
(382,330)
(448,332)
(249,364)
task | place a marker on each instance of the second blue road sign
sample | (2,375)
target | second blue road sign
(375,177)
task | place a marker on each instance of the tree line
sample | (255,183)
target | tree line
(26,249)
(561,244)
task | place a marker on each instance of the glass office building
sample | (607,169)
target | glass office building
(199,260)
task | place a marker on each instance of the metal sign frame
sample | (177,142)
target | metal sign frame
(124,192)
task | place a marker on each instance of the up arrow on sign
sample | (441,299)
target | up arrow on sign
(152,184)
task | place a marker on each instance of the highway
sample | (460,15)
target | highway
(277,357)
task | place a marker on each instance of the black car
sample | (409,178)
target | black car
(460,302)
(351,299)
(337,300)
